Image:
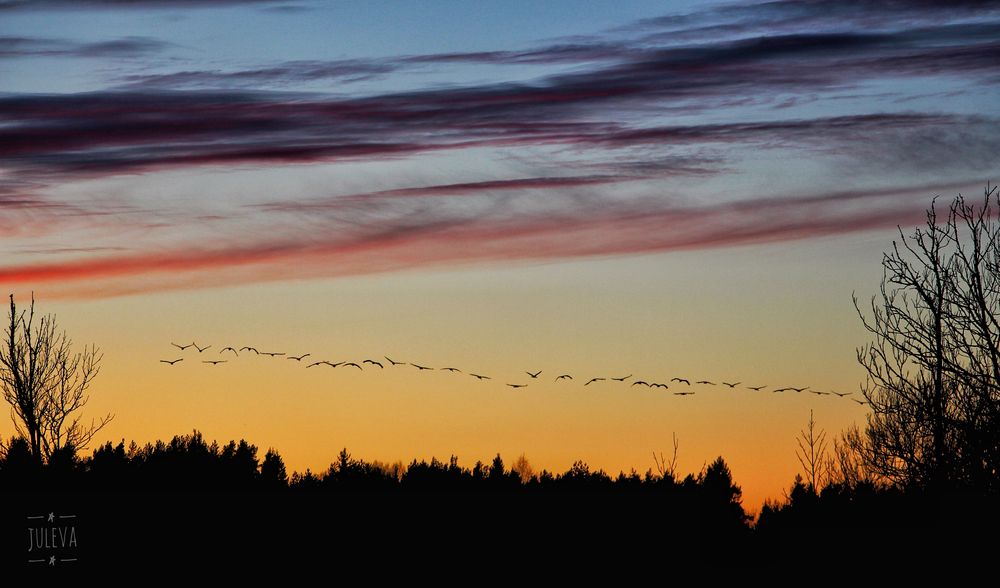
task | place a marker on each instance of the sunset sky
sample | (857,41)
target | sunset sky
(660,189)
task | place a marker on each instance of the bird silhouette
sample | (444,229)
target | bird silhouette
(732,384)
(622,379)
(298,357)
(534,375)
(640,383)
(564,377)
(215,362)
(518,385)
(421,367)
(254,349)
(353,364)
(592,380)
(684,380)
(181,347)
(781,389)
(316,363)
(842,394)
(757,388)
(390,360)
(451,369)
(799,389)
(225,349)
(861,402)
(478,377)
(705,382)
(200,349)
(272,353)
(171,361)
(658,385)
(818,393)
(683,393)
(373,362)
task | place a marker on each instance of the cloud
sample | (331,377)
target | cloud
(434,240)
(126,47)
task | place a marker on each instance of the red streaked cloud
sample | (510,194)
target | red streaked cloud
(628,230)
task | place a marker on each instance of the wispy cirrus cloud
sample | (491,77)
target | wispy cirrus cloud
(125,47)
(131,4)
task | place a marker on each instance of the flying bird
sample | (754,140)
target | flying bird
(354,364)
(757,388)
(818,393)
(683,393)
(389,359)
(451,369)
(518,385)
(861,402)
(592,380)
(200,349)
(705,382)
(534,375)
(171,362)
(298,357)
(333,365)
(421,367)
(732,385)
(271,353)
(478,377)
(686,381)
(781,390)
(373,362)
(181,347)
(842,394)
(254,349)
(664,386)
(215,362)
(316,363)
(799,389)
(564,377)
(622,379)
(640,383)
(225,349)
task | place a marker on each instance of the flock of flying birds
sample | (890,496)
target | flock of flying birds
(687,390)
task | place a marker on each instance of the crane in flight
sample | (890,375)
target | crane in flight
(478,377)
(390,360)
(353,364)
(732,384)
(171,361)
(592,380)
(421,367)
(200,349)
(225,349)
(664,386)
(298,357)
(683,393)
(757,388)
(181,347)
(534,375)
(247,348)
(683,380)
(316,363)
(451,369)
(705,382)
(842,394)
(640,383)
(799,389)
(564,377)
(861,402)
(373,362)
(622,379)
(214,361)
(271,353)
(518,385)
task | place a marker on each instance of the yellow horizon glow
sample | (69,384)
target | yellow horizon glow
(776,315)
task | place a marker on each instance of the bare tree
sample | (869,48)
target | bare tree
(812,454)
(522,467)
(933,367)
(667,469)
(46,383)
